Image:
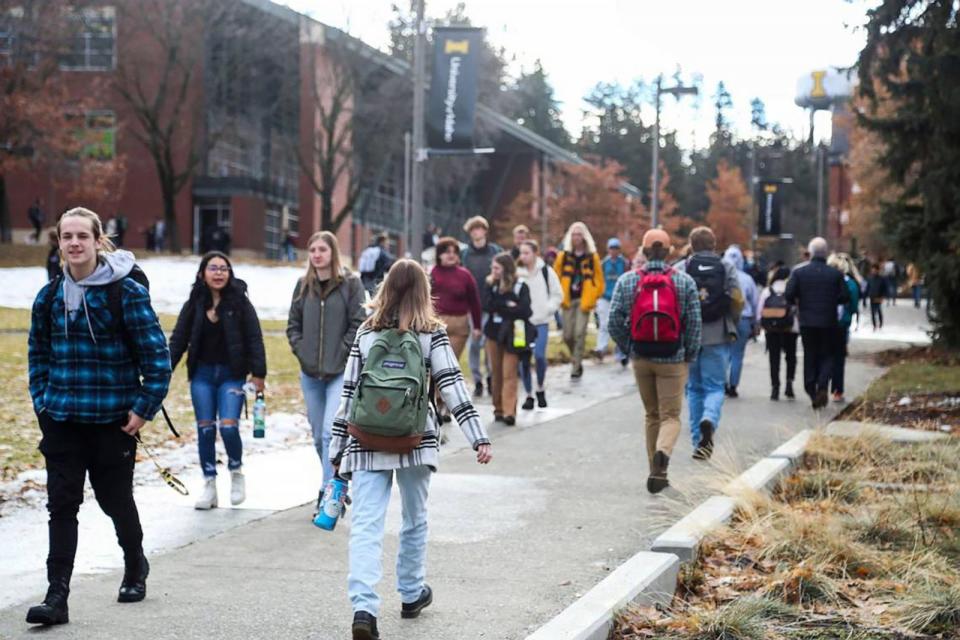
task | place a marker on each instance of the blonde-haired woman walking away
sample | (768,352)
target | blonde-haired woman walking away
(402,304)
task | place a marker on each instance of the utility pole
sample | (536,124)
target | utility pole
(419,139)
(754,221)
(676,92)
(407,158)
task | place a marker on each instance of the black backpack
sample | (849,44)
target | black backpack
(777,314)
(115,306)
(710,274)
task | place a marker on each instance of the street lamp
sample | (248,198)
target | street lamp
(676,92)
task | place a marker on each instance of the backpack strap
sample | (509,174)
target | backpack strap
(546,277)
(48,301)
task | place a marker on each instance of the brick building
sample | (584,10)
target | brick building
(247,113)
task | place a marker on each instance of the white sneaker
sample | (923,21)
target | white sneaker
(238,489)
(208,499)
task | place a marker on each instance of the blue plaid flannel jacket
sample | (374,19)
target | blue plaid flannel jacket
(687,294)
(73,377)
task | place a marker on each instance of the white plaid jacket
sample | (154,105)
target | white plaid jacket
(445,372)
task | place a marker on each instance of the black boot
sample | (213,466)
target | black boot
(705,447)
(413,609)
(528,404)
(365,626)
(134,585)
(657,481)
(542,399)
(775,393)
(53,610)
(788,391)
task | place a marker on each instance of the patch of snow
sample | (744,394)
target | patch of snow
(270,288)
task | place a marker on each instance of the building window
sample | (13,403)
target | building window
(12,49)
(96,135)
(93,42)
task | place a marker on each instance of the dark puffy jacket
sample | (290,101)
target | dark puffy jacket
(499,327)
(477,261)
(321,329)
(817,289)
(241,332)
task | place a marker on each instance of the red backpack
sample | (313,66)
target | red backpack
(655,318)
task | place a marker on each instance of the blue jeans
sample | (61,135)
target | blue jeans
(371,496)
(705,387)
(744,331)
(217,393)
(540,355)
(323,399)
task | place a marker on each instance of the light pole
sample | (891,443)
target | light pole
(419,137)
(675,91)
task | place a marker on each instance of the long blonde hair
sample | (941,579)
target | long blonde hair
(104,244)
(310,282)
(403,301)
(587,238)
(509,277)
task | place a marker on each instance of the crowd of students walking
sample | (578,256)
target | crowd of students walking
(100,365)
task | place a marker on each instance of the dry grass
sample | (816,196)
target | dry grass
(864,542)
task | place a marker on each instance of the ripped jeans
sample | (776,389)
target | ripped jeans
(217,393)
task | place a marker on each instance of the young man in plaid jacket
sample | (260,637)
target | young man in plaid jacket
(95,381)
(660,380)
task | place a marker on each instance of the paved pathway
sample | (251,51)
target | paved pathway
(511,544)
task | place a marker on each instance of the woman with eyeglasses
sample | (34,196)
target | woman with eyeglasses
(219,330)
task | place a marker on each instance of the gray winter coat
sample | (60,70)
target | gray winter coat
(321,330)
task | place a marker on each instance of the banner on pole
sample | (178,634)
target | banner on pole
(453,87)
(769,196)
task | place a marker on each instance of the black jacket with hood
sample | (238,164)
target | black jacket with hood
(241,332)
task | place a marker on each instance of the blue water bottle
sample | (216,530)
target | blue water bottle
(259,416)
(332,506)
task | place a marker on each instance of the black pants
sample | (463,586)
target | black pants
(819,353)
(876,314)
(72,450)
(840,360)
(781,342)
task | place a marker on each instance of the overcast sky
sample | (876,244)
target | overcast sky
(759,48)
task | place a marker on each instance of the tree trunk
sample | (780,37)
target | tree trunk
(6,230)
(326,211)
(170,216)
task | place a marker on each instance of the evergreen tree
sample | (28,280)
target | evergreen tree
(537,107)
(910,74)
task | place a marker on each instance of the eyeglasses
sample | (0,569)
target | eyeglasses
(212,268)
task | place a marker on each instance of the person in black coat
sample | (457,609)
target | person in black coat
(817,290)
(219,330)
(54,264)
(506,300)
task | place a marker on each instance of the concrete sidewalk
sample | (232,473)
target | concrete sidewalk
(511,544)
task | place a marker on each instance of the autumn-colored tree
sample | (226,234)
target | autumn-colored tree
(872,187)
(34,108)
(589,193)
(677,225)
(728,215)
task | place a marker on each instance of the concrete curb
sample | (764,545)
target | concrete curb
(683,538)
(763,476)
(646,578)
(850,429)
(793,448)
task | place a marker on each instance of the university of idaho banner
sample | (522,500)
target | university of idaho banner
(769,195)
(453,87)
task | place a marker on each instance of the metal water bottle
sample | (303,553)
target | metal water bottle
(332,506)
(259,416)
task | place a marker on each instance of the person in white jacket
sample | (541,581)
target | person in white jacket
(546,295)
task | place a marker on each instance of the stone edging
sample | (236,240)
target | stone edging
(650,577)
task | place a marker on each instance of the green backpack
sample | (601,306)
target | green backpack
(389,411)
